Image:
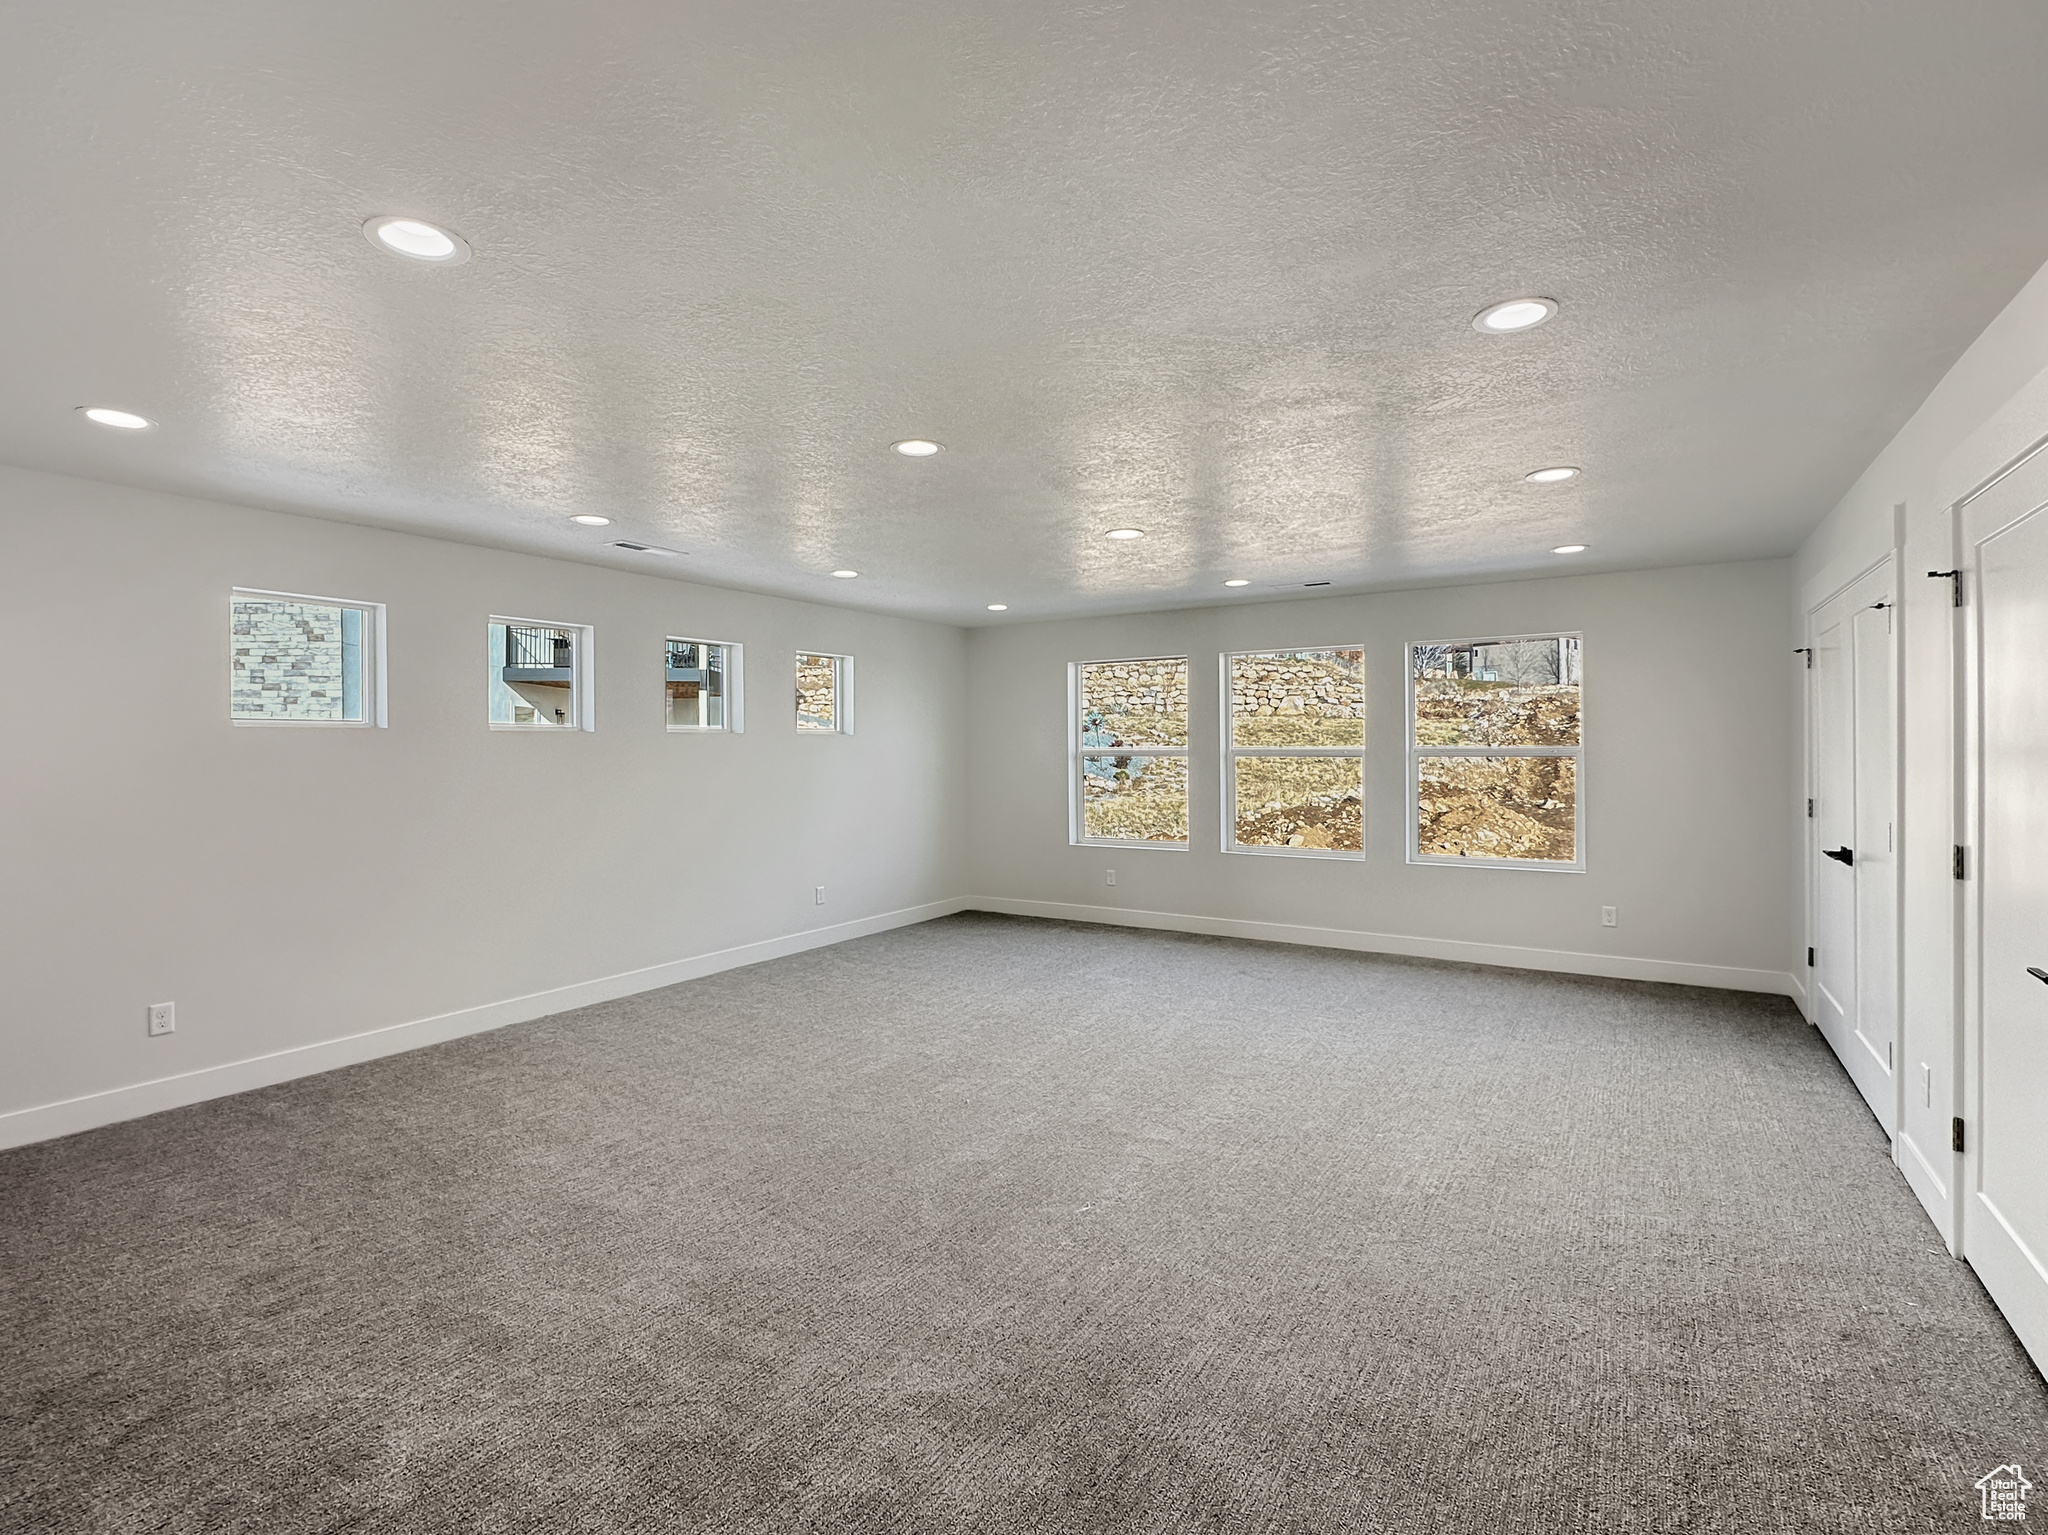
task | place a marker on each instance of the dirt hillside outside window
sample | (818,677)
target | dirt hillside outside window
(1495,740)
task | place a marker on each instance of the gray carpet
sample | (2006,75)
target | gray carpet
(995,1225)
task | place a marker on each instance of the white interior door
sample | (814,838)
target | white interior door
(1833,828)
(2005,1167)
(1877,861)
(1854,834)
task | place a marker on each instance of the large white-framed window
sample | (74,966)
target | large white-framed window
(540,675)
(1128,749)
(302,660)
(1495,753)
(821,693)
(702,684)
(1294,752)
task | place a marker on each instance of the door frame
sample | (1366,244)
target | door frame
(1972,1212)
(1813,600)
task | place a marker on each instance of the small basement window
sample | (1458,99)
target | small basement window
(821,693)
(299,660)
(539,675)
(1494,754)
(1129,764)
(703,681)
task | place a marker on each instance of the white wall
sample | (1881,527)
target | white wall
(289,888)
(1991,406)
(1687,780)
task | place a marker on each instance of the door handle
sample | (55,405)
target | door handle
(1839,854)
(2039,975)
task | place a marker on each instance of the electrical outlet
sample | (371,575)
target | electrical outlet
(819,898)
(1112,875)
(163,1018)
(1607,916)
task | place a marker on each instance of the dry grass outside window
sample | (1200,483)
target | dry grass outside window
(1135,799)
(1301,802)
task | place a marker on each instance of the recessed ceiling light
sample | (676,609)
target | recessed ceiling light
(846,575)
(1569,549)
(916,447)
(1240,581)
(999,607)
(416,240)
(592,520)
(128,421)
(1555,476)
(1125,533)
(1513,314)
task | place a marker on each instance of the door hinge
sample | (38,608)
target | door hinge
(1809,809)
(1809,954)
(1955,1135)
(1807,651)
(1962,863)
(1955,582)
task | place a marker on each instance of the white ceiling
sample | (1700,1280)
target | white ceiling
(1202,267)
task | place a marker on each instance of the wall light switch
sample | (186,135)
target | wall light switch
(163,1018)
(820,897)
(1607,916)
(1112,875)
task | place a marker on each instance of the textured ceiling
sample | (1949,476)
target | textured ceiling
(1203,267)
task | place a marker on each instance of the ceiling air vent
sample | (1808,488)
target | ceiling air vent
(628,544)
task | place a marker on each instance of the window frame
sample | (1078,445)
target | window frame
(1231,752)
(1077,814)
(842,689)
(376,712)
(582,672)
(1416,753)
(735,688)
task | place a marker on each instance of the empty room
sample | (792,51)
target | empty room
(1299,779)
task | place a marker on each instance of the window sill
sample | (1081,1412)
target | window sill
(1537,865)
(1342,855)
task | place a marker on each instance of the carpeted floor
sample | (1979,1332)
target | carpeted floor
(995,1225)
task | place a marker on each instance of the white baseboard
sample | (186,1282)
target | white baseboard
(1617,966)
(1795,988)
(47,1121)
